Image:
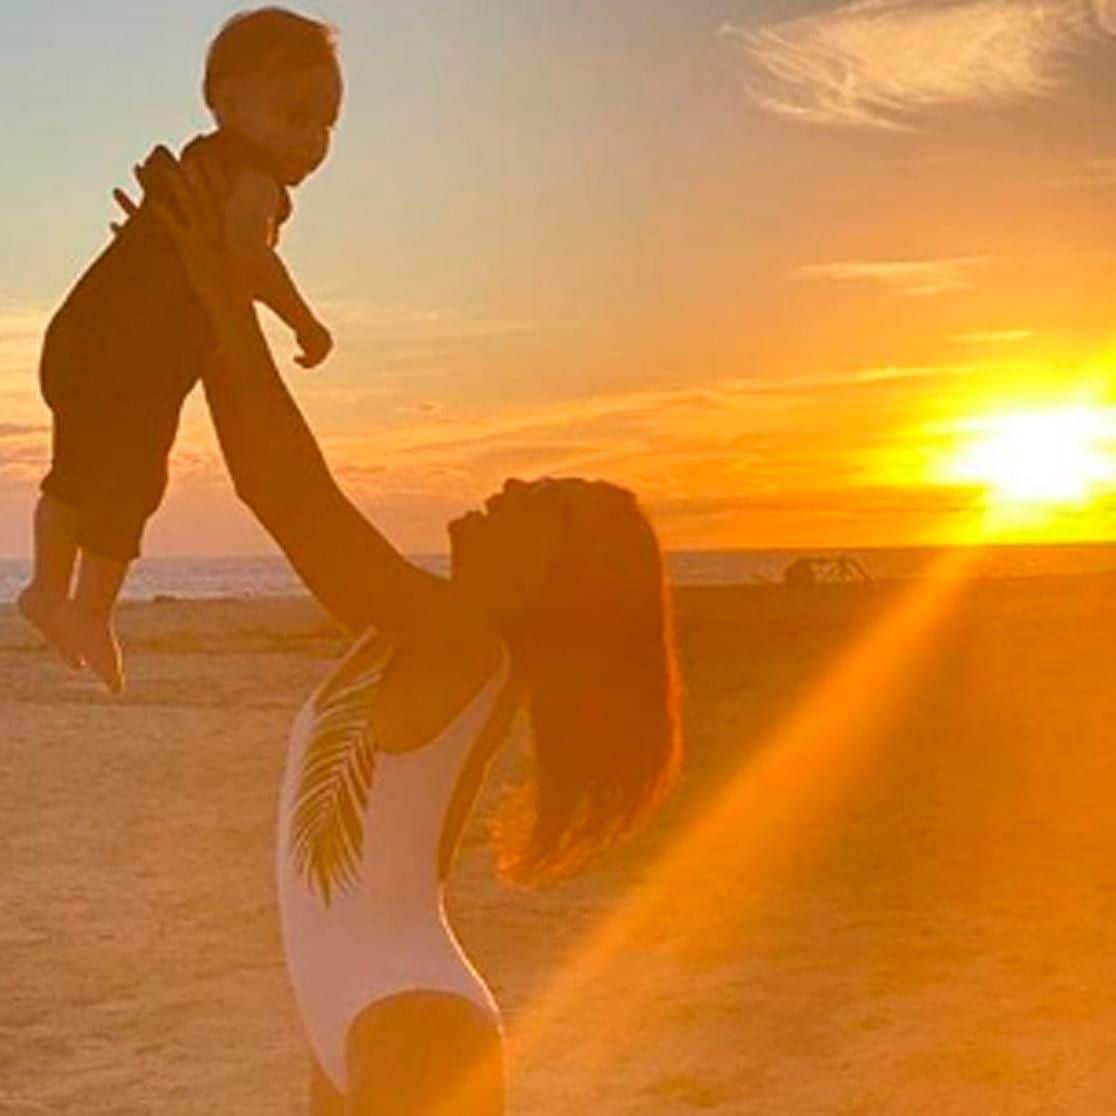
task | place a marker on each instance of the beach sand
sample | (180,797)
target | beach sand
(885,884)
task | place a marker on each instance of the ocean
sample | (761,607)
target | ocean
(270,576)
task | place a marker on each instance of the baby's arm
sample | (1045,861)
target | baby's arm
(250,230)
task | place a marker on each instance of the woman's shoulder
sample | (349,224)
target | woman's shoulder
(413,687)
(432,676)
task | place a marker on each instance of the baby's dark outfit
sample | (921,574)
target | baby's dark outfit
(119,358)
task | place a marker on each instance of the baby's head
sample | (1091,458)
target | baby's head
(273,77)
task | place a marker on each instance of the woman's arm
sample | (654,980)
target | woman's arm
(276,465)
(278,470)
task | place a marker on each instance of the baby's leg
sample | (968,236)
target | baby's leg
(55,550)
(86,621)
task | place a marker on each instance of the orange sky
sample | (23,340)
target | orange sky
(766,263)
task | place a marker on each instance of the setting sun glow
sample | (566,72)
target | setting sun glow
(1047,457)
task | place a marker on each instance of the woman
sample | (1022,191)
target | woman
(556,602)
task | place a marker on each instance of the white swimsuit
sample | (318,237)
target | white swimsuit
(384,929)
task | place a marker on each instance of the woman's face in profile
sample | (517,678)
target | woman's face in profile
(504,555)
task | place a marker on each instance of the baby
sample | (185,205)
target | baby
(125,348)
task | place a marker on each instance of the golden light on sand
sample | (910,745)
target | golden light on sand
(783,804)
(1038,458)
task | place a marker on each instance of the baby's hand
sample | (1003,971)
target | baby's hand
(315,342)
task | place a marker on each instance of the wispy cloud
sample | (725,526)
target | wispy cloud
(804,387)
(21,329)
(653,436)
(399,321)
(22,463)
(994,336)
(21,323)
(889,375)
(21,430)
(1089,174)
(913,278)
(774,455)
(879,63)
(398,339)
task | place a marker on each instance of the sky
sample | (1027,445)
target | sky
(785,268)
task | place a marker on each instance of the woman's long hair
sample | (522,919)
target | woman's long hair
(597,659)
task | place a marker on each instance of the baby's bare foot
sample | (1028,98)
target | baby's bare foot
(40,609)
(92,636)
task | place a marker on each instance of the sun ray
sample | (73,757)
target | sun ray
(776,811)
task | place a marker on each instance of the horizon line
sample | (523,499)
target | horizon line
(763,548)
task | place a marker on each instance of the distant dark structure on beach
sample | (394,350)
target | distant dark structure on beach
(812,569)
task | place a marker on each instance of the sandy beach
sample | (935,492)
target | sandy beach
(886,883)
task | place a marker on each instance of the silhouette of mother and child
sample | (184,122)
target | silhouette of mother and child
(556,603)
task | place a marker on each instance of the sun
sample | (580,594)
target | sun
(1058,456)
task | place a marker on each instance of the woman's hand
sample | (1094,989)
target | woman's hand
(188,200)
(125,202)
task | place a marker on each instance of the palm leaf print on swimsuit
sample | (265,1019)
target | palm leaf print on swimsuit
(327,830)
